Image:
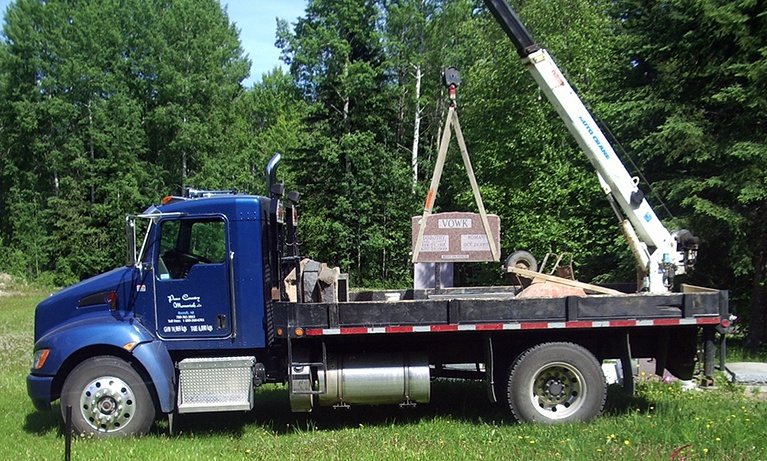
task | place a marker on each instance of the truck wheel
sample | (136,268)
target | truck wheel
(555,383)
(108,399)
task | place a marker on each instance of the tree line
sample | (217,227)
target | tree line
(106,106)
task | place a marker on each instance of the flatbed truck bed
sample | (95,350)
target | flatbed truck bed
(483,309)
(552,346)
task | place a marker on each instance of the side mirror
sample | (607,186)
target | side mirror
(130,237)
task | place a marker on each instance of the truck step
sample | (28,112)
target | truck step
(216,384)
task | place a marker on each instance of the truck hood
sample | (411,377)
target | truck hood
(88,297)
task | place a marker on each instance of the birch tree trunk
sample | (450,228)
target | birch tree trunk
(416,125)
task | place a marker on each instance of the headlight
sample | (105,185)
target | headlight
(39,360)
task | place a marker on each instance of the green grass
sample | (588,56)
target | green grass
(737,353)
(662,422)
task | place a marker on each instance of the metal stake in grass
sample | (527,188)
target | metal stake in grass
(68,435)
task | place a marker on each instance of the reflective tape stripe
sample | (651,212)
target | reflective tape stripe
(581,324)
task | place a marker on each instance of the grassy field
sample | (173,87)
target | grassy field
(661,423)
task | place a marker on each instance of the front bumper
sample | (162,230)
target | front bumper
(39,390)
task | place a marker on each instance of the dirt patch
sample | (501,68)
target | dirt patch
(5,279)
(758,393)
(5,282)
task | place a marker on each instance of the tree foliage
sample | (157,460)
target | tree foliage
(107,105)
(354,179)
(692,105)
(533,173)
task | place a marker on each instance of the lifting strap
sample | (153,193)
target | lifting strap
(452,121)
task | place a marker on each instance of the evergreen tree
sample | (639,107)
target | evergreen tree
(199,67)
(530,170)
(275,111)
(693,105)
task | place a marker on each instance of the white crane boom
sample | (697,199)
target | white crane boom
(660,254)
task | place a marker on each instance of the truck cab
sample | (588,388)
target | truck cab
(194,277)
(199,283)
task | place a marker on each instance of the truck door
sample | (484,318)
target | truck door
(192,279)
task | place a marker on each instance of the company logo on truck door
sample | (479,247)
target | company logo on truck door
(595,138)
(190,323)
(184,301)
(186,318)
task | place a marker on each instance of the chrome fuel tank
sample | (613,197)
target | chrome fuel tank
(376,379)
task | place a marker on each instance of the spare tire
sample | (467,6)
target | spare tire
(522,260)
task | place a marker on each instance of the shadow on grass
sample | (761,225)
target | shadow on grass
(456,400)
(450,399)
(620,402)
(41,422)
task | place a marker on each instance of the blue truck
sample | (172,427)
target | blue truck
(215,300)
(206,311)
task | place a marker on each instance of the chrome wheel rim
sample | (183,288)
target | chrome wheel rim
(107,404)
(558,390)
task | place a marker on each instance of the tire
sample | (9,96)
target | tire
(522,260)
(108,398)
(556,383)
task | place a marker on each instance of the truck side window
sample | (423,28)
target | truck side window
(186,242)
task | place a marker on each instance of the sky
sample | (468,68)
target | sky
(257,23)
